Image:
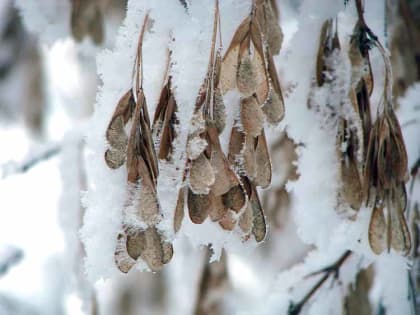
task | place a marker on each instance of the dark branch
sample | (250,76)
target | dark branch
(331,270)
(16,168)
(9,256)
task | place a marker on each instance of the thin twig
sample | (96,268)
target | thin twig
(9,256)
(296,308)
(11,168)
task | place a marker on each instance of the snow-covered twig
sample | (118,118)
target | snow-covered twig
(9,256)
(32,160)
(333,269)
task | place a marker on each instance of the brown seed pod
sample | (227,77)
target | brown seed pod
(164,121)
(270,26)
(154,254)
(218,209)
(245,221)
(219,111)
(199,206)
(262,162)
(246,76)
(352,189)
(136,244)
(235,198)
(179,210)
(225,177)
(115,134)
(228,222)
(123,261)
(252,116)
(259,228)
(201,175)
(273,108)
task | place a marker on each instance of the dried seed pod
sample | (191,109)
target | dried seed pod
(236,144)
(235,198)
(219,111)
(252,116)
(199,206)
(218,209)
(225,177)
(228,222)
(179,210)
(249,160)
(164,121)
(153,253)
(201,175)
(352,189)
(115,134)
(262,162)
(122,259)
(245,221)
(245,78)
(136,244)
(273,108)
(274,102)
(259,228)
(359,56)
(272,29)
(230,62)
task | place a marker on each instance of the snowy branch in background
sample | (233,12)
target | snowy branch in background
(9,256)
(37,156)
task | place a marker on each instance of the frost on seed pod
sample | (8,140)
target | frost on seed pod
(219,111)
(347,145)
(225,177)
(252,116)
(259,228)
(201,175)
(164,122)
(262,162)
(179,210)
(218,208)
(267,15)
(115,134)
(228,222)
(246,76)
(123,261)
(199,206)
(149,245)
(273,108)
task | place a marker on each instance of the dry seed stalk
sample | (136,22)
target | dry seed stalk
(87,20)
(165,120)
(214,189)
(347,143)
(385,171)
(139,236)
(248,65)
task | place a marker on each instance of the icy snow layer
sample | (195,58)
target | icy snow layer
(107,188)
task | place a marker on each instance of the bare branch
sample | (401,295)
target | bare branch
(14,167)
(331,270)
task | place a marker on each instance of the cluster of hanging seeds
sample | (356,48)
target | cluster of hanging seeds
(373,159)
(214,189)
(347,119)
(248,66)
(139,236)
(87,20)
